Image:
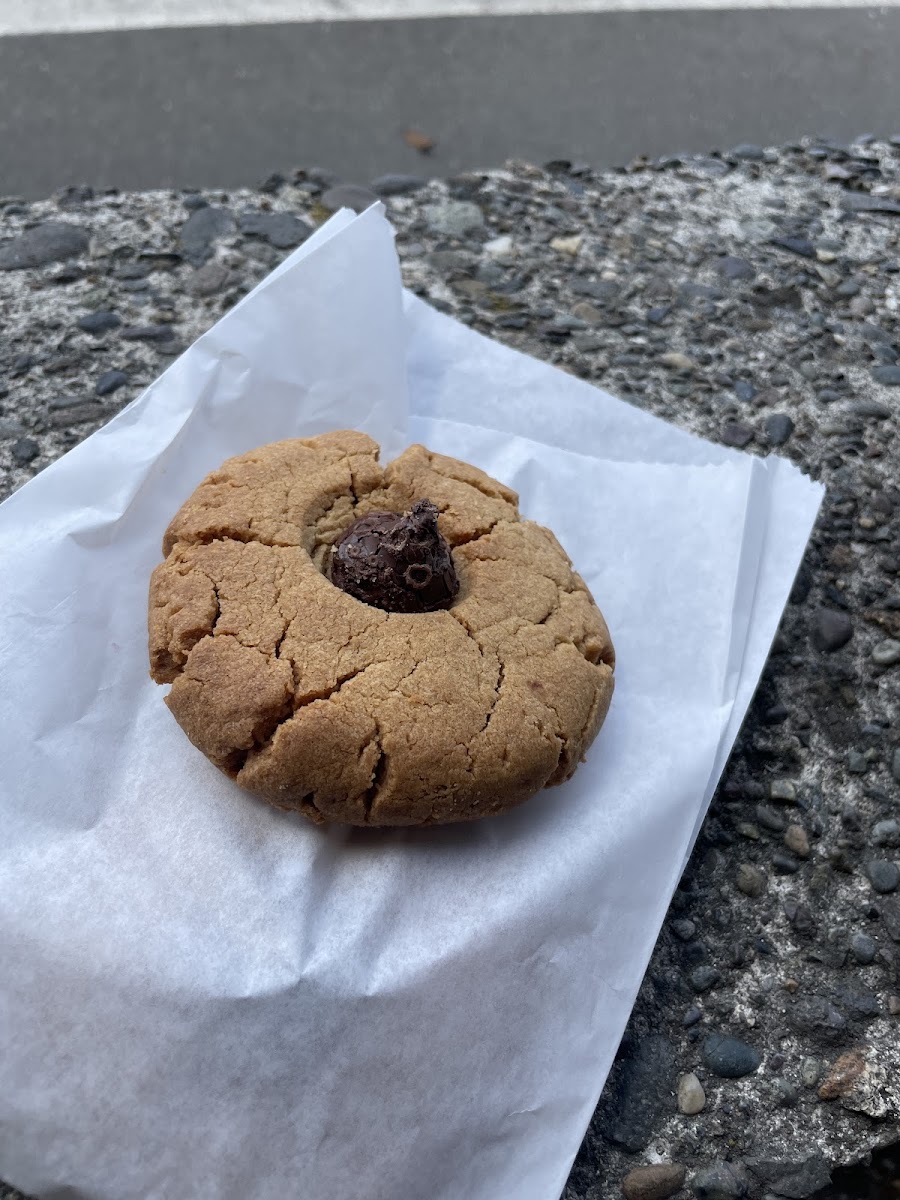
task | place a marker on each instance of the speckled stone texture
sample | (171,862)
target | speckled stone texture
(753,298)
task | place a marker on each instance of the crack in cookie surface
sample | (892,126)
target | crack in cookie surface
(318,702)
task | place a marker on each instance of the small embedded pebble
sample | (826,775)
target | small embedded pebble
(109,382)
(571,322)
(348,195)
(676,361)
(567,245)
(23,450)
(779,428)
(817,1016)
(886,653)
(691,1096)
(858,1000)
(99,322)
(887,833)
(870,408)
(831,629)
(867,202)
(655,1182)
(211,278)
(280,229)
(890,916)
(148,333)
(783,790)
(850,287)
(695,953)
(843,1076)
(883,874)
(795,245)
(724,1181)
(65,402)
(204,227)
(52,241)
(78,414)
(863,948)
(798,1172)
(895,764)
(770,818)
(729,1057)
(783,1093)
(502,248)
(453,218)
(750,880)
(705,977)
(784,864)
(744,390)
(735,268)
(132,270)
(797,841)
(800,917)
(735,433)
(810,1071)
(776,714)
(888,376)
(857,763)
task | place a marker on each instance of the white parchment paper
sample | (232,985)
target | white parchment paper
(204,997)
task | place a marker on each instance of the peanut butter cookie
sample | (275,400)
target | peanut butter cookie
(490,683)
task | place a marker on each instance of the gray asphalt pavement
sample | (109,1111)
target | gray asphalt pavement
(226,106)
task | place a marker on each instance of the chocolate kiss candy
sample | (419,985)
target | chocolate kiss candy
(397,562)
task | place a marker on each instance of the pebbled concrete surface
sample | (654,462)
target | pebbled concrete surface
(752,298)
